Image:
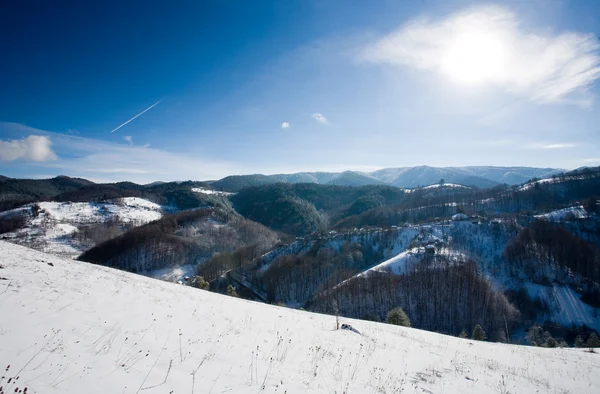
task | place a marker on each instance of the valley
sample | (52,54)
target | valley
(452,256)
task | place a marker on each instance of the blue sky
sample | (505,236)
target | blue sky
(287,86)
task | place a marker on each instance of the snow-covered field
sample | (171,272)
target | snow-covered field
(129,209)
(53,228)
(73,327)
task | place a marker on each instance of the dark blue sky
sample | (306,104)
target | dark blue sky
(232,73)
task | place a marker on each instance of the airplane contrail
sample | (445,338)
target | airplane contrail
(140,114)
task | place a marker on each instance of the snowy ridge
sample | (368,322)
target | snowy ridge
(448,185)
(78,328)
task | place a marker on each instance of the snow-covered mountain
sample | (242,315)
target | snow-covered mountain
(480,176)
(72,327)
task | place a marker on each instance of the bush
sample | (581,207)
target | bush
(463,334)
(231,291)
(11,224)
(579,342)
(398,317)
(478,333)
(201,283)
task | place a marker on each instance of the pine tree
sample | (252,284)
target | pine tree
(231,291)
(478,333)
(563,343)
(579,342)
(550,342)
(593,341)
(463,334)
(535,336)
(398,317)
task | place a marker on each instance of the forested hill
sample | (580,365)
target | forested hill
(187,237)
(17,192)
(307,207)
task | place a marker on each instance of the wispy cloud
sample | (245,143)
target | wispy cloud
(34,147)
(138,115)
(320,118)
(565,145)
(104,161)
(285,125)
(128,138)
(556,146)
(491,45)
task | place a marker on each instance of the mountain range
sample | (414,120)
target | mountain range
(404,177)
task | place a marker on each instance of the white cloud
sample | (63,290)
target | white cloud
(103,161)
(285,125)
(33,147)
(490,45)
(320,118)
(555,146)
(128,138)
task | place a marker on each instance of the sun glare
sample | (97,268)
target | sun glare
(474,57)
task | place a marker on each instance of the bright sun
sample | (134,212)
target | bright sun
(474,57)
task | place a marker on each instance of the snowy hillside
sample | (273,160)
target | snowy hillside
(577,212)
(52,229)
(72,327)
(204,190)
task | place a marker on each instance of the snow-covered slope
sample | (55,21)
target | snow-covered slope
(72,327)
(52,229)
(204,190)
(577,212)
(566,307)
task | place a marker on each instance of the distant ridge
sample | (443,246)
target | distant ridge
(404,177)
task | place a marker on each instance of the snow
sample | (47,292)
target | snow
(451,185)
(129,209)
(529,185)
(53,228)
(567,178)
(74,327)
(577,212)
(460,216)
(398,264)
(209,191)
(566,307)
(173,274)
